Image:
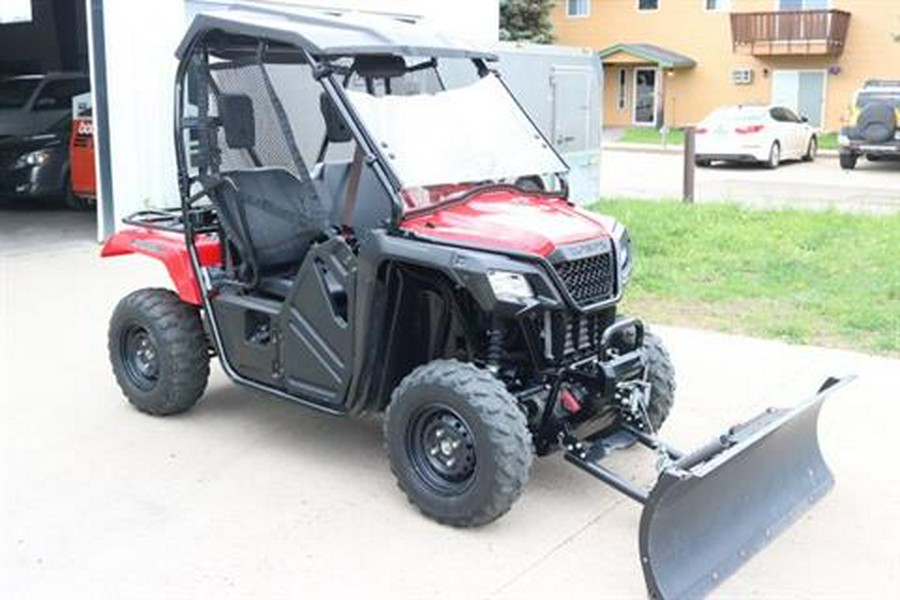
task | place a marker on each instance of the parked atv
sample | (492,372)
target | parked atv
(358,234)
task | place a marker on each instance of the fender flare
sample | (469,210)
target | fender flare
(170,249)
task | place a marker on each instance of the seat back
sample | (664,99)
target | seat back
(268,215)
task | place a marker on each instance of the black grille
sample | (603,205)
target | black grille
(589,280)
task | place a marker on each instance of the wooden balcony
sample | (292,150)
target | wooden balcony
(813,32)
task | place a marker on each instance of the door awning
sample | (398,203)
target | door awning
(638,54)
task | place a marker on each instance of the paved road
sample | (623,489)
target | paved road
(872,187)
(246,497)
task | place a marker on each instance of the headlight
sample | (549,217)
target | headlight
(625,253)
(32,159)
(510,286)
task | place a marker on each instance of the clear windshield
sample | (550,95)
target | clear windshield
(14,93)
(471,134)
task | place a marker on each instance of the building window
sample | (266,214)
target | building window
(717,4)
(578,8)
(622,95)
(648,4)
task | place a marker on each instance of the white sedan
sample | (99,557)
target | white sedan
(759,134)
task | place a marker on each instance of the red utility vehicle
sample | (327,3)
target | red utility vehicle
(369,222)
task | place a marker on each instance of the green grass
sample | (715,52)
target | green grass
(649,135)
(674,137)
(828,141)
(824,278)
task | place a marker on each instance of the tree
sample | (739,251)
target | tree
(526,21)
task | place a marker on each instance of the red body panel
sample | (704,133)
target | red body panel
(81,157)
(507,220)
(171,250)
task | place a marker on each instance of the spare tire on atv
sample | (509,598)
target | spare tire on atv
(876,123)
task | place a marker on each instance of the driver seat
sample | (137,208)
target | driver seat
(269,214)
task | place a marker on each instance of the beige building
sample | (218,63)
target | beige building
(670,62)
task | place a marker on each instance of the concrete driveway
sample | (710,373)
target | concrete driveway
(248,497)
(871,187)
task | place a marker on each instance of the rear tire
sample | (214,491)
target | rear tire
(159,352)
(848,161)
(458,443)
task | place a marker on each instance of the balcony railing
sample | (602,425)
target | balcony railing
(790,32)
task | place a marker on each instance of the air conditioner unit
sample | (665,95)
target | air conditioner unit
(742,76)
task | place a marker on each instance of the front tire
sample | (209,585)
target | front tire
(159,352)
(774,156)
(458,443)
(661,376)
(811,150)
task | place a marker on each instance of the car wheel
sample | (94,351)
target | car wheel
(458,443)
(73,202)
(811,150)
(848,161)
(774,156)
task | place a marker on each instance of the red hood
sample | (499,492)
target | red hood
(507,220)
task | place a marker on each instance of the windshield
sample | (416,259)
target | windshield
(14,93)
(475,134)
(868,98)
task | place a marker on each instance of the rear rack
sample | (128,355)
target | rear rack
(203,220)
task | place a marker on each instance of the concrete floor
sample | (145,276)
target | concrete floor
(871,187)
(248,497)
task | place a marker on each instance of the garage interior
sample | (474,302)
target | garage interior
(53,39)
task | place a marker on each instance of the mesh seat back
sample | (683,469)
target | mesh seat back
(266,216)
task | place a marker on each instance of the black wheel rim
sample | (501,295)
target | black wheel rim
(442,449)
(140,356)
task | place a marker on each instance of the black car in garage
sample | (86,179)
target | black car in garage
(34,136)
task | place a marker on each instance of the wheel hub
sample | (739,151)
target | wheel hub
(140,356)
(442,449)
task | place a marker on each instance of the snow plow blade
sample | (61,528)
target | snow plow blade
(712,509)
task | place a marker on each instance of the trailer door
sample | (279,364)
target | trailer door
(572,129)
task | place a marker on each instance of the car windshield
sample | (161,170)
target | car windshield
(451,140)
(868,98)
(14,93)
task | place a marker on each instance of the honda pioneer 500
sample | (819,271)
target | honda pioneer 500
(370,222)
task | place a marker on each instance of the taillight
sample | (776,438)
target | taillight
(750,129)
(700,130)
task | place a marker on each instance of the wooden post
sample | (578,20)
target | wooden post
(687,193)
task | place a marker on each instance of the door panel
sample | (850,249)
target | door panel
(811,96)
(316,349)
(571,108)
(645,82)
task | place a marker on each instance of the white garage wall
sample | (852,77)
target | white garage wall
(140,71)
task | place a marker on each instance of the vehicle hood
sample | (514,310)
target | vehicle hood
(24,143)
(508,220)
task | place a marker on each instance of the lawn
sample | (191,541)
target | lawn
(675,137)
(823,278)
(650,135)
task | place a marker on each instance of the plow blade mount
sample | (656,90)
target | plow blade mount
(712,509)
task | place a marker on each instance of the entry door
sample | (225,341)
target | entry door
(801,91)
(571,108)
(644,104)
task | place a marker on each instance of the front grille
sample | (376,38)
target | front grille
(589,280)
